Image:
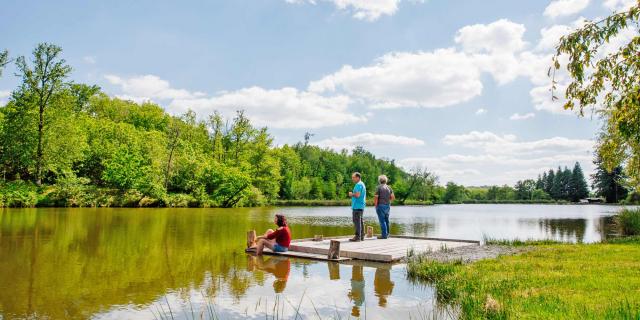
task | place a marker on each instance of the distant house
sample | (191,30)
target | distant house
(592,200)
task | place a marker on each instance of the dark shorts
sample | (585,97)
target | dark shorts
(279,248)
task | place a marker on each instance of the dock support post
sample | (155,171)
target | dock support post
(334,250)
(369,232)
(251,238)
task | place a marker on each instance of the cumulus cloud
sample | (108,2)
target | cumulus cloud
(481,111)
(517,116)
(369,140)
(503,159)
(499,36)
(619,5)
(149,87)
(495,144)
(560,8)
(369,10)
(4,94)
(435,79)
(442,77)
(280,108)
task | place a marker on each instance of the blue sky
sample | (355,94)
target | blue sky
(457,86)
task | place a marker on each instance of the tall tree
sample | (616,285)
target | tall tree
(606,77)
(548,183)
(609,184)
(44,81)
(4,59)
(578,187)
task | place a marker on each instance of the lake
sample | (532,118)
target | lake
(119,263)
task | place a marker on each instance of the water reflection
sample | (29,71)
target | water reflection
(127,263)
(279,267)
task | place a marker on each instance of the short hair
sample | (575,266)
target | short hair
(357,174)
(382,179)
(281,221)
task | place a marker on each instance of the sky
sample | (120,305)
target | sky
(459,87)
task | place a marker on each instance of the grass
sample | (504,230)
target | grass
(551,281)
(628,221)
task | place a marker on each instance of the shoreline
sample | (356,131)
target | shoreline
(152,203)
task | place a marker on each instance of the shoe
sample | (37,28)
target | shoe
(354,239)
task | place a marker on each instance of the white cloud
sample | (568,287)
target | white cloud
(149,87)
(369,140)
(619,5)
(550,36)
(559,8)
(517,116)
(435,79)
(281,108)
(442,77)
(481,111)
(369,10)
(4,94)
(501,159)
(89,59)
(495,144)
(499,36)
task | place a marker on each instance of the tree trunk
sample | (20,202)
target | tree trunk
(39,152)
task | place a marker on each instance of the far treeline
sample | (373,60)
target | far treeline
(69,144)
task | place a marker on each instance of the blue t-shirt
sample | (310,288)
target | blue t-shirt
(359,202)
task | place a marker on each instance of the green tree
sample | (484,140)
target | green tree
(454,193)
(524,189)
(4,60)
(45,80)
(126,170)
(578,187)
(609,184)
(606,77)
(548,183)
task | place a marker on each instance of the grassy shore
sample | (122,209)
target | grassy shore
(546,281)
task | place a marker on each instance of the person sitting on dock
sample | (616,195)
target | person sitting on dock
(358,200)
(278,240)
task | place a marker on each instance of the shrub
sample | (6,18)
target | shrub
(180,200)
(70,191)
(628,221)
(18,194)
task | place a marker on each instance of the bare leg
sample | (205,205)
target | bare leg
(264,243)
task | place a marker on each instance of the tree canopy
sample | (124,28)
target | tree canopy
(606,79)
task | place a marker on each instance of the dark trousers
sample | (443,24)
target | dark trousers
(358,223)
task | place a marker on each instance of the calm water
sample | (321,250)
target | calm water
(189,263)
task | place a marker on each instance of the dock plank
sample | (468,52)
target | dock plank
(388,250)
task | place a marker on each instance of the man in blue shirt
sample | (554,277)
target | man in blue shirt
(358,199)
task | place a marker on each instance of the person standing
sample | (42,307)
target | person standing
(358,199)
(382,201)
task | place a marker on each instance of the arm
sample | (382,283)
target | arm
(393,195)
(375,197)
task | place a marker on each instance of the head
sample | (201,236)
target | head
(280,220)
(383,179)
(356,177)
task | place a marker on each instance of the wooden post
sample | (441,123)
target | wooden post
(334,270)
(251,238)
(318,237)
(334,250)
(369,232)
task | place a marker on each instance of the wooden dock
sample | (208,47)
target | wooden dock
(393,249)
